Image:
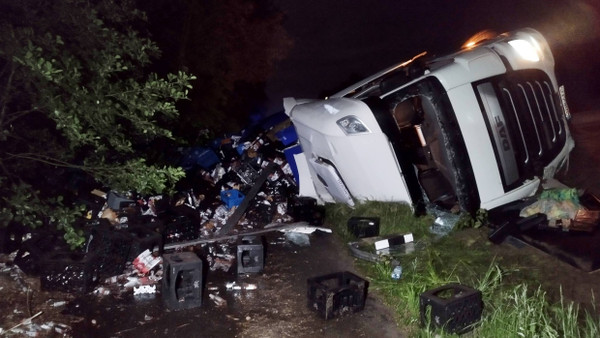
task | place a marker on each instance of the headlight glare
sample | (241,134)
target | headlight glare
(525,49)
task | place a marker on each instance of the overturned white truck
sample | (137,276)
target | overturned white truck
(475,129)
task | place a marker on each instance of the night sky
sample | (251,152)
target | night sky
(337,42)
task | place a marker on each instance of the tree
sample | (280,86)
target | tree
(232,46)
(77,98)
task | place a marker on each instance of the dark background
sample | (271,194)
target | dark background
(337,42)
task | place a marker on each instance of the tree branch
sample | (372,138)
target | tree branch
(44,159)
(59,163)
(12,117)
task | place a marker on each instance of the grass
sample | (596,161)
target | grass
(512,308)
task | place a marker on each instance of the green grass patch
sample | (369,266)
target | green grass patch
(511,307)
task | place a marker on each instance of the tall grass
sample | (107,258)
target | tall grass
(511,307)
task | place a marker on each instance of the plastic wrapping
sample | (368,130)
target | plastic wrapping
(555,204)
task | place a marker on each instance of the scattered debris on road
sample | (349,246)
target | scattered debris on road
(236,190)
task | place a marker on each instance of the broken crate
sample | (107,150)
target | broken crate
(69,271)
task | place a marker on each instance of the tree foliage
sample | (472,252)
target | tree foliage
(77,98)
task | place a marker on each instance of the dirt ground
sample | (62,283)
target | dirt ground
(278,306)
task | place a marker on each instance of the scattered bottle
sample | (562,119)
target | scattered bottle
(397,272)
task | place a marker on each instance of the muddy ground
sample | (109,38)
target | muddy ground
(278,306)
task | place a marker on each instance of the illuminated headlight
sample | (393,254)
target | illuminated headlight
(525,49)
(352,125)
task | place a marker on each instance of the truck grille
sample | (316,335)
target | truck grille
(534,133)
(533,107)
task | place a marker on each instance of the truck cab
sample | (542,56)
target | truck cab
(475,129)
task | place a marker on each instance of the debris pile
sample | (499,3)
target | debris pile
(236,188)
(554,209)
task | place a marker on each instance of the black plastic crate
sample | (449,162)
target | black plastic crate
(306,209)
(182,280)
(146,221)
(11,237)
(336,294)
(112,248)
(28,258)
(180,229)
(454,307)
(69,271)
(247,173)
(143,238)
(250,254)
(261,213)
(364,226)
(32,251)
(117,201)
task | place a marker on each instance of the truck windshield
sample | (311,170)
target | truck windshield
(422,127)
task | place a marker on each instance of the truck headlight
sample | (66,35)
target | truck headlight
(352,125)
(525,49)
